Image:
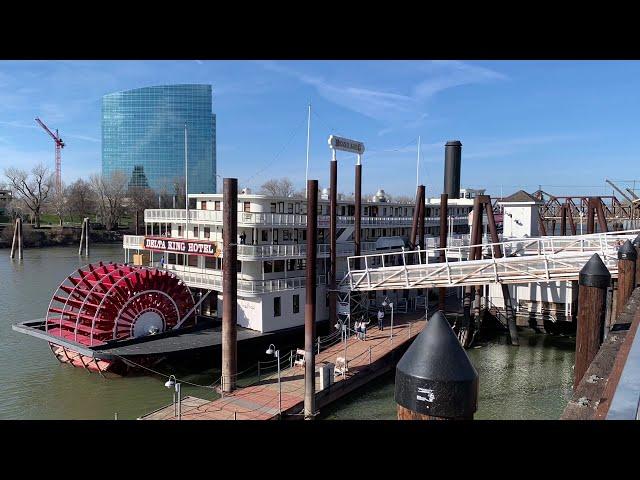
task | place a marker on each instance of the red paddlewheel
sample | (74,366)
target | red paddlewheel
(113,301)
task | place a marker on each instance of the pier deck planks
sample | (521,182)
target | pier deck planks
(260,401)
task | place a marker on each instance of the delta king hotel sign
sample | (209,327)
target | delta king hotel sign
(189,247)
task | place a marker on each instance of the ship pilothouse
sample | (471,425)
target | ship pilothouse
(271,241)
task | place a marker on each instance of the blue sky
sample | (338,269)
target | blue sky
(566,125)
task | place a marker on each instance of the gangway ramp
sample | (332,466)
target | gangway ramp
(543,259)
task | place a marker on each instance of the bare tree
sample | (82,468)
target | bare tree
(81,199)
(140,198)
(278,187)
(110,191)
(58,203)
(33,190)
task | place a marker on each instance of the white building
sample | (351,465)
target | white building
(272,249)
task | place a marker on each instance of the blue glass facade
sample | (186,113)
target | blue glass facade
(143,136)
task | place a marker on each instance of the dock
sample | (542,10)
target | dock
(366,360)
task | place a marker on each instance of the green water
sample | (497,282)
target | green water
(530,381)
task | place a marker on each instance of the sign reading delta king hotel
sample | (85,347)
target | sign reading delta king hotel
(189,247)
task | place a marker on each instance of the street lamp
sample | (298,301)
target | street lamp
(177,409)
(272,351)
(385,303)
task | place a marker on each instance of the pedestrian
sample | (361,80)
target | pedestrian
(363,328)
(380,317)
(356,326)
(161,263)
(243,238)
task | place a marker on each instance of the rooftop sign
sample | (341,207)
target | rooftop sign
(346,145)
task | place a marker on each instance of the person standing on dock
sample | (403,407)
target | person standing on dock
(380,317)
(363,328)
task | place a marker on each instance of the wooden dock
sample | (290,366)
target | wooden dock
(366,360)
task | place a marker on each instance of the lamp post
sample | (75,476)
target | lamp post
(272,351)
(385,303)
(171,383)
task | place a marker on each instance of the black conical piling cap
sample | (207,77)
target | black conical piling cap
(627,252)
(594,273)
(636,241)
(435,376)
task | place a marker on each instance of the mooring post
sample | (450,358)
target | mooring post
(20,239)
(229,283)
(563,220)
(627,257)
(333,202)
(435,379)
(636,244)
(421,210)
(14,241)
(86,237)
(444,208)
(84,221)
(506,294)
(594,279)
(310,303)
(414,224)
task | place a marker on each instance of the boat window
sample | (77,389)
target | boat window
(276,306)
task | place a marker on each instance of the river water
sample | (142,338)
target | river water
(532,381)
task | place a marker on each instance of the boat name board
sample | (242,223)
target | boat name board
(191,247)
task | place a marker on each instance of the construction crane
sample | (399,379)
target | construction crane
(59,146)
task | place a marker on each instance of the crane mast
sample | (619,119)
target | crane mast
(59,145)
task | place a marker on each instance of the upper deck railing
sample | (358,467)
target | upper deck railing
(279,219)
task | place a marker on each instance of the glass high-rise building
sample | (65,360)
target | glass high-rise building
(143,136)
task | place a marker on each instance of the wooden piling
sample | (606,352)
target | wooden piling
(14,240)
(84,221)
(593,280)
(636,244)
(506,294)
(310,303)
(229,283)
(563,220)
(333,202)
(627,258)
(20,239)
(414,224)
(86,237)
(444,209)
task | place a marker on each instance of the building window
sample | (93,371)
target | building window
(195,232)
(210,262)
(302,263)
(265,235)
(217,205)
(193,260)
(268,266)
(304,235)
(291,265)
(273,208)
(179,230)
(276,306)
(280,207)
(207,232)
(239,266)
(203,205)
(278,266)
(171,258)
(290,207)
(296,304)
(247,207)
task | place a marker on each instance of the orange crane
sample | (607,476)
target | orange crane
(59,146)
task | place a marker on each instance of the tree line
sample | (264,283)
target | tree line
(106,199)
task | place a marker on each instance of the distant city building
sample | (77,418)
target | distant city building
(5,199)
(143,136)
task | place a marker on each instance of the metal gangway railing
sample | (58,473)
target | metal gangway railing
(541,259)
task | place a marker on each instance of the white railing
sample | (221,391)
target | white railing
(213,281)
(533,260)
(249,252)
(133,241)
(280,219)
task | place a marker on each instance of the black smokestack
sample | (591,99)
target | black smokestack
(452,161)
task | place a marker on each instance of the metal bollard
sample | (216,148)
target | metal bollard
(435,379)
